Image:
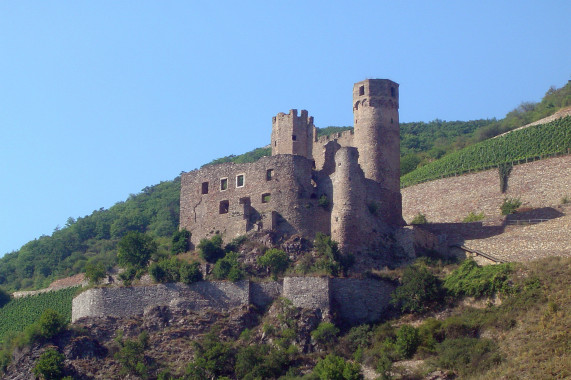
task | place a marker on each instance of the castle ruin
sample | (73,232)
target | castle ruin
(345,185)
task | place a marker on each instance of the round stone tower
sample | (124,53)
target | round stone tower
(376,117)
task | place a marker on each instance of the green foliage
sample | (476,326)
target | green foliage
(131,355)
(470,279)
(275,260)
(180,242)
(325,334)
(4,297)
(50,324)
(420,218)
(323,202)
(235,243)
(330,260)
(510,205)
(228,268)
(407,341)
(473,217)
(565,200)
(260,362)
(212,359)
(419,290)
(467,355)
(95,272)
(175,270)
(334,367)
(50,365)
(504,170)
(251,156)
(408,163)
(190,273)
(211,249)
(517,146)
(155,211)
(135,250)
(20,313)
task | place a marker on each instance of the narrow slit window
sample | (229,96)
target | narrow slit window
(204,187)
(361,90)
(293,137)
(269,174)
(393,92)
(266,197)
(223,184)
(224,206)
(240,180)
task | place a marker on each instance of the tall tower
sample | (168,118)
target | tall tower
(376,117)
(292,134)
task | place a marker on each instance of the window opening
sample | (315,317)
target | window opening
(266,197)
(293,137)
(223,184)
(361,90)
(240,180)
(269,174)
(393,92)
(224,206)
(204,187)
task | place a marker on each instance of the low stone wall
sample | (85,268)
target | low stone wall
(351,300)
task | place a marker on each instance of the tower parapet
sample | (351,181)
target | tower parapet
(292,134)
(376,118)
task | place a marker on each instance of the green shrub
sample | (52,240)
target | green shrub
(473,217)
(510,205)
(325,333)
(470,279)
(407,341)
(131,355)
(228,268)
(180,242)
(330,259)
(467,355)
(235,243)
(211,249)
(384,366)
(4,297)
(50,365)
(419,290)
(50,324)
(324,202)
(95,272)
(190,273)
(274,260)
(213,359)
(166,270)
(334,367)
(428,334)
(420,218)
(565,200)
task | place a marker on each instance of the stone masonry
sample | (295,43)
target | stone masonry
(352,300)
(345,185)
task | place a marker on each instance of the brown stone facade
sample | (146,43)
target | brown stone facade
(346,185)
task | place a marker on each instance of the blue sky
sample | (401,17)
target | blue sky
(100,99)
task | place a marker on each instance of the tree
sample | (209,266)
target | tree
(4,297)
(50,365)
(211,249)
(180,242)
(275,260)
(418,291)
(95,272)
(50,324)
(135,250)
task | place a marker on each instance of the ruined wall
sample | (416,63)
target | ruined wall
(344,138)
(130,301)
(353,300)
(292,134)
(360,300)
(276,193)
(537,184)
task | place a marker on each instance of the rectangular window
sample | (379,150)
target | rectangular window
(266,197)
(269,174)
(393,92)
(361,90)
(293,137)
(204,187)
(224,206)
(240,180)
(223,184)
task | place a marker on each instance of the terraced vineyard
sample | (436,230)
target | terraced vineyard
(517,147)
(19,313)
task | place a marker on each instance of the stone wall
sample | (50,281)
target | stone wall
(351,300)
(537,184)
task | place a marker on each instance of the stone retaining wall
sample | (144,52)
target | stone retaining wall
(351,300)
